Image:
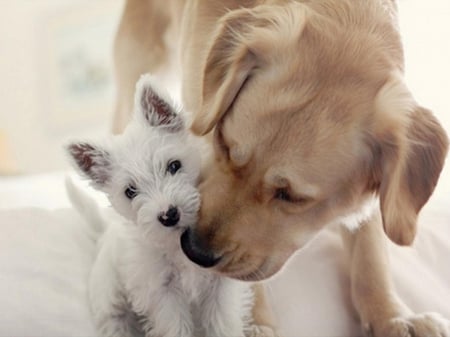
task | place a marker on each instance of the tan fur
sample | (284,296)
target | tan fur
(305,102)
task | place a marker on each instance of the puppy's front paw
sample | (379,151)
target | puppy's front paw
(420,325)
(261,331)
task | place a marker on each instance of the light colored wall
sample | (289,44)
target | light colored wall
(56,76)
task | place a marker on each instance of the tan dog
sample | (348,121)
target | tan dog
(312,125)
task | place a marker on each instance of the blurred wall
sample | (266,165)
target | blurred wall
(56,77)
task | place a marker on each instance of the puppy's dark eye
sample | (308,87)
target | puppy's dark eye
(283,195)
(173,166)
(131,192)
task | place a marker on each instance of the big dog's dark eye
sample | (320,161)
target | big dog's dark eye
(131,192)
(173,166)
(283,194)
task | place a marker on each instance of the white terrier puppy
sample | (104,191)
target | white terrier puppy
(141,282)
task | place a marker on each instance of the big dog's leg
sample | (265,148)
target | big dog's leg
(263,324)
(381,311)
(141,46)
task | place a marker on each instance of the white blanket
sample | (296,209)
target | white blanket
(46,254)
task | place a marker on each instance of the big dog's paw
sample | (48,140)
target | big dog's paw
(420,325)
(261,331)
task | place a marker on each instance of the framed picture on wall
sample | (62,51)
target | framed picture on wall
(76,64)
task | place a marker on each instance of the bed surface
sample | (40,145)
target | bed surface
(46,251)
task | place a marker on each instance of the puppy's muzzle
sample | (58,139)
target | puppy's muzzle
(196,251)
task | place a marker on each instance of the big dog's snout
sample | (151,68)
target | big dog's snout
(196,250)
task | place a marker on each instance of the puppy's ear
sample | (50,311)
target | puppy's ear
(154,104)
(411,150)
(238,47)
(92,161)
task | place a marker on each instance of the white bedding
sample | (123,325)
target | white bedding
(46,253)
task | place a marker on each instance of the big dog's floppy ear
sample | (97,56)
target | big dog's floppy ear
(412,147)
(237,48)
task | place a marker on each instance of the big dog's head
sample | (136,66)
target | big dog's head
(311,120)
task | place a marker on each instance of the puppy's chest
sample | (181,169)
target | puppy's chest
(182,276)
(149,270)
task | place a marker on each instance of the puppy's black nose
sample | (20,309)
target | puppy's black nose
(170,218)
(195,251)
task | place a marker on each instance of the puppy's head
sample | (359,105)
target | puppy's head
(150,171)
(310,121)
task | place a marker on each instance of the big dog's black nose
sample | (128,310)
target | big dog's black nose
(196,251)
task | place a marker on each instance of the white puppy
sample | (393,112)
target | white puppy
(141,282)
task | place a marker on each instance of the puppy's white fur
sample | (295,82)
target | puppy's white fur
(141,282)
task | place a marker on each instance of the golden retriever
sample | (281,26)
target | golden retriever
(311,124)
